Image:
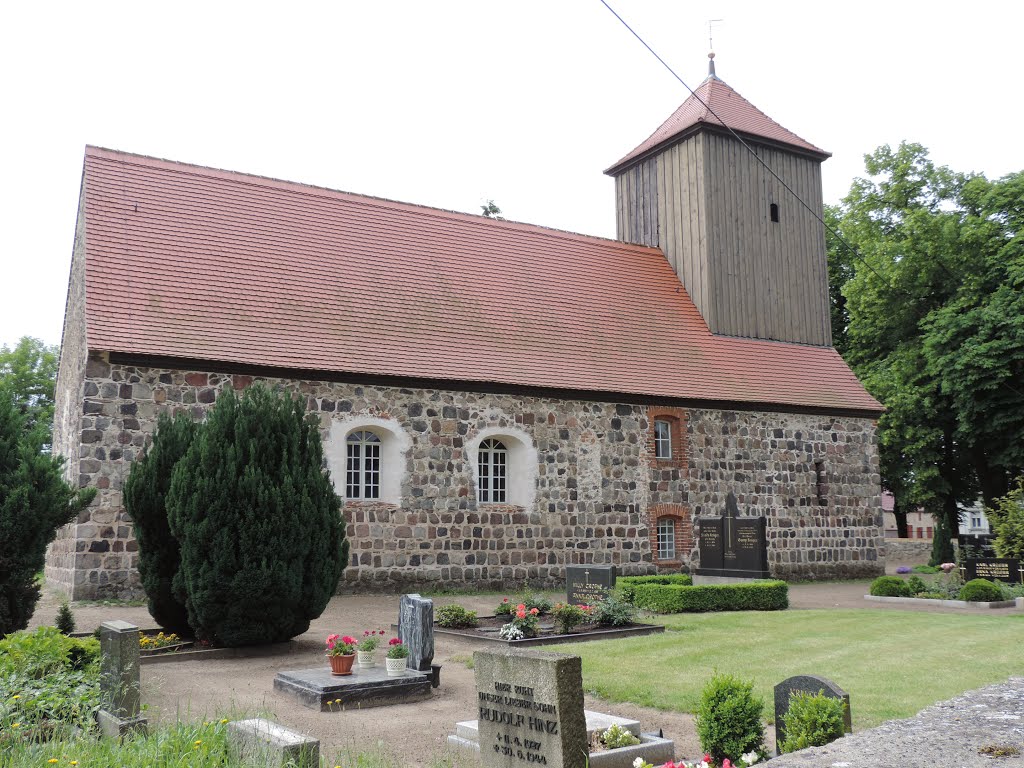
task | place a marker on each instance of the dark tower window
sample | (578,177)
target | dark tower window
(775,212)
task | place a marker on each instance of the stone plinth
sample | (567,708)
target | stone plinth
(319,689)
(265,743)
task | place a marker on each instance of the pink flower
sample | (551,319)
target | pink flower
(534,611)
(394,641)
(707,758)
(520,614)
(349,640)
(521,607)
(726,763)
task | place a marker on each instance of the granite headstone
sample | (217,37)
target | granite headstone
(530,709)
(120,686)
(813,685)
(416,630)
(588,584)
(1005,569)
(733,545)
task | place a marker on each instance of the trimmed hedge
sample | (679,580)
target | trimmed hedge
(627,584)
(677,598)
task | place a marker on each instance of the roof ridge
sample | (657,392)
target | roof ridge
(243,177)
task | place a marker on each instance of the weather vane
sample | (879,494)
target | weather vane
(711,23)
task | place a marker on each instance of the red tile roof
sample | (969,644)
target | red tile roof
(732,109)
(190,262)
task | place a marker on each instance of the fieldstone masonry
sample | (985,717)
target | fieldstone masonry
(593,489)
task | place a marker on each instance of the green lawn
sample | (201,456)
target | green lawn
(893,664)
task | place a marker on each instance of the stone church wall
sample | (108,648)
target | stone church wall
(585,489)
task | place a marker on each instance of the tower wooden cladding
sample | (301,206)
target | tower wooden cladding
(751,256)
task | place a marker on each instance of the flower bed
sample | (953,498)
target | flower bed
(488,628)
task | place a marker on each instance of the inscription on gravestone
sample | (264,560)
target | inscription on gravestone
(530,709)
(588,584)
(732,545)
(994,569)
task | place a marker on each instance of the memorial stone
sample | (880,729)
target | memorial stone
(416,630)
(259,742)
(813,685)
(120,687)
(530,709)
(733,546)
(1006,569)
(588,584)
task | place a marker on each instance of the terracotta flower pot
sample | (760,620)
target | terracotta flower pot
(342,665)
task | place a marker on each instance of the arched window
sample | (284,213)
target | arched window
(666,538)
(362,467)
(492,462)
(662,440)
(774,210)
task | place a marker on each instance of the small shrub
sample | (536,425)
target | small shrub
(729,719)
(65,619)
(981,591)
(932,596)
(455,617)
(926,569)
(889,586)
(613,612)
(568,616)
(505,608)
(916,585)
(617,736)
(538,601)
(812,721)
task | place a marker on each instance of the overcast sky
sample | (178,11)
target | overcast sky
(451,103)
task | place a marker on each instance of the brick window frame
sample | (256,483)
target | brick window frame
(680,515)
(677,419)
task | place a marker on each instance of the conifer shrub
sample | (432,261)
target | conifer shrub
(260,527)
(34,502)
(145,497)
(729,721)
(65,619)
(812,721)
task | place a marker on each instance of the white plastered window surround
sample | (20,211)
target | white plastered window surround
(521,467)
(395,443)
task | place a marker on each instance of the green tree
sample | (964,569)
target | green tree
(34,502)
(260,527)
(491,211)
(145,495)
(1006,516)
(29,373)
(935,328)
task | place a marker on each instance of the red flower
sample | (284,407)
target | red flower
(349,640)
(534,611)
(394,641)
(520,614)
(505,600)
(521,607)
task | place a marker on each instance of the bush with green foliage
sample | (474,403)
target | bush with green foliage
(812,721)
(889,586)
(454,616)
(145,500)
(260,526)
(617,737)
(507,606)
(65,619)
(916,585)
(729,719)
(626,586)
(568,616)
(613,612)
(1006,517)
(758,596)
(981,591)
(35,501)
(926,569)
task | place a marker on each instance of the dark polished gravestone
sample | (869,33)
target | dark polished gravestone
(530,709)
(1006,569)
(588,584)
(416,630)
(732,545)
(813,685)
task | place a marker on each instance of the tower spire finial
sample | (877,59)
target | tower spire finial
(711,64)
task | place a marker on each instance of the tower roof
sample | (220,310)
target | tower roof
(715,97)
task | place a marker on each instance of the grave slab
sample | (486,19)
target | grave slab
(319,689)
(266,743)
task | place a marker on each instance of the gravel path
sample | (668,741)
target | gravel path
(952,734)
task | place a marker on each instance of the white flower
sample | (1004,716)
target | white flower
(703,764)
(750,758)
(638,763)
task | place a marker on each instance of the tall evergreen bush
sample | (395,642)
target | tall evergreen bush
(34,502)
(145,496)
(260,528)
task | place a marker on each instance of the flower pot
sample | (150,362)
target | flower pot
(395,667)
(365,659)
(342,665)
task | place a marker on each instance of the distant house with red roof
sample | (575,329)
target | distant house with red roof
(498,400)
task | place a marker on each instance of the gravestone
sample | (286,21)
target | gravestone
(732,545)
(120,688)
(588,584)
(265,743)
(416,630)
(530,709)
(813,685)
(1005,569)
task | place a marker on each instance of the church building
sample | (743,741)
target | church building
(497,400)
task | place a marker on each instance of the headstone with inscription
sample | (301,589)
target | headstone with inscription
(813,685)
(120,686)
(1005,569)
(530,709)
(732,545)
(416,630)
(588,584)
